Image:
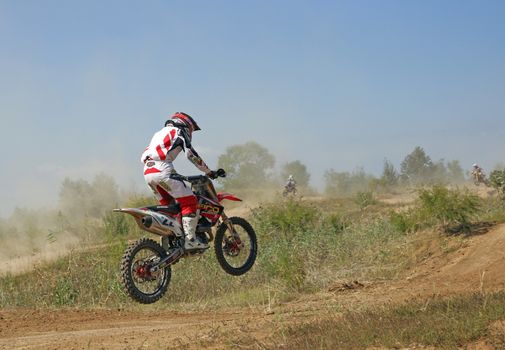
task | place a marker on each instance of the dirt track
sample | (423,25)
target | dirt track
(478,267)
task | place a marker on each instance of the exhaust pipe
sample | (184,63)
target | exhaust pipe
(147,221)
(152,225)
(163,226)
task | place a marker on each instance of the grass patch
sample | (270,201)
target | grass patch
(365,198)
(444,323)
(303,247)
(88,279)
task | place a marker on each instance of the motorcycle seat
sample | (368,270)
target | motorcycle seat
(171,208)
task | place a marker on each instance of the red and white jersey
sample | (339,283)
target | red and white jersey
(166,145)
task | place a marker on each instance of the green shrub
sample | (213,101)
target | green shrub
(438,205)
(364,199)
(404,222)
(448,207)
(285,217)
(497,180)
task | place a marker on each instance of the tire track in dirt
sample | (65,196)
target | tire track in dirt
(107,329)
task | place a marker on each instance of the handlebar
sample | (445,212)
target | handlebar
(220,173)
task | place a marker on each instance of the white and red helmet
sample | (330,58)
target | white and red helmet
(185,119)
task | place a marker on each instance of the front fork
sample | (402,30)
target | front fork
(227,222)
(235,236)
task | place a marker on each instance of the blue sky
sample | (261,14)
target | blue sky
(334,84)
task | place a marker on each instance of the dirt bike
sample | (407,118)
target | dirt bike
(290,188)
(146,265)
(479,177)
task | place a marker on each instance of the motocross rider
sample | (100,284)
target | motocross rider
(165,146)
(291,182)
(477,171)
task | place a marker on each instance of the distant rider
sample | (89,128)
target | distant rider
(291,181)
(290,185)
(477,172)
(164,147)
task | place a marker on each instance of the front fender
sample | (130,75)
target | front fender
(229,196)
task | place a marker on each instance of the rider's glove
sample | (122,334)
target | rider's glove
(212,174)
(215,174)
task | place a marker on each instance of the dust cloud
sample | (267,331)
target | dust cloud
(28,236)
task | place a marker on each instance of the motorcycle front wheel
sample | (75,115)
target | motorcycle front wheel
(236,251)
(139,282)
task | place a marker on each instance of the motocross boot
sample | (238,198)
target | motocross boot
(191,242)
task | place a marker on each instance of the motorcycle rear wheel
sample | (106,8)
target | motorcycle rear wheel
(234,258)
(139,282)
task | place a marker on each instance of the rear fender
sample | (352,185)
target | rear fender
(229,196)
(135,212)
(158,223)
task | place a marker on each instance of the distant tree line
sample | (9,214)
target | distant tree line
(416,169)
(251,165)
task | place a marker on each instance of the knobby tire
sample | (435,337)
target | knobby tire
(126,271)
(218,247)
